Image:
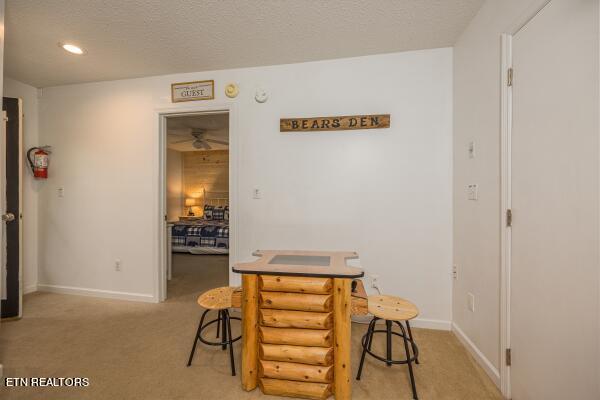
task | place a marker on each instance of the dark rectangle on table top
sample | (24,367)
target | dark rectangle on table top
(285,259)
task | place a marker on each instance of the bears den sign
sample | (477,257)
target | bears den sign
(347,122)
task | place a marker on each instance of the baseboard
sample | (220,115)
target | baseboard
(30,288)
(481,359)
(437,324)
(108,294)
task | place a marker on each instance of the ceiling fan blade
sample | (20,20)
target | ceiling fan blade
(217,141)
(181,141)
(201,144)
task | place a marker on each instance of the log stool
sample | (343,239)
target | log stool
(391,309)
(217,299)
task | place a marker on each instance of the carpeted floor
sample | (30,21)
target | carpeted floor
(132,350)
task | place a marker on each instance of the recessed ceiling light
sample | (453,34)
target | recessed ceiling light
(71,48)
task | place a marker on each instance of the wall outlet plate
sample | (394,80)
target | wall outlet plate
(374,279)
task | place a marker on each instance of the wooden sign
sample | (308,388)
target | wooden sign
(190,91)
(341,123)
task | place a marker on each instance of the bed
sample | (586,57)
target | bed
(200,237)
(208,234)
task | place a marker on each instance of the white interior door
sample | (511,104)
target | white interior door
(554,321)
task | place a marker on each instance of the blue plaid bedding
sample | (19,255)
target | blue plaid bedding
(201,233)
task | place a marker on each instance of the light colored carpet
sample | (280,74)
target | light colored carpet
(132,350)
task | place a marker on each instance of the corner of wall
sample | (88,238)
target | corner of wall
(481,359)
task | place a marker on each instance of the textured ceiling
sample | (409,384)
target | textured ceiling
(135,38)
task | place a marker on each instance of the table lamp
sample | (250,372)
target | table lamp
(191,202)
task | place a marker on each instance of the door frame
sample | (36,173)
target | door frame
(160,286)
(506,107)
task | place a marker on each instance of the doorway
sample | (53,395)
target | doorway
(11,159)
(197,202)
(551,189)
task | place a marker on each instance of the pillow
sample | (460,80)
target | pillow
(218,213)
(208,211)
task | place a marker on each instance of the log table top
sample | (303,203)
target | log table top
(330,264)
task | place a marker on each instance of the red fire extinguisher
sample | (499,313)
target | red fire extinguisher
(39,163)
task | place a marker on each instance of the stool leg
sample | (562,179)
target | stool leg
(412,342)
(218,324)
(375,319)
(409,362)
(388,325)
(367,345)
(226,315)
(224,329)
(196,338)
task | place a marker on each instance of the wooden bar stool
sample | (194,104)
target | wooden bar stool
(217,299)
(391,309)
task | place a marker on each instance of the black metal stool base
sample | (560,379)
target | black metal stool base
(224,325)
(406,335)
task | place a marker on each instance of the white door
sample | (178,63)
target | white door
(555,268)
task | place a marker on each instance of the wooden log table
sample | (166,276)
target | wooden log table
(296,308)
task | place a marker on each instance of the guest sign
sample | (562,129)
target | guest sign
(341,123)
(190,91)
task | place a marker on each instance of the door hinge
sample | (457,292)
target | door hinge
(509,77)
(508,357)
(509,217)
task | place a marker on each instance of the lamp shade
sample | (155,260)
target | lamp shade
(191,202)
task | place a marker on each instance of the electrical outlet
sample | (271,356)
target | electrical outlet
(471,302)
(61,192)
(455,271)
(117,265)
(374,279)
(256,193)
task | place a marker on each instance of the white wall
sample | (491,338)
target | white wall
(29,95)
(477,224)
(174,175)
(386,193)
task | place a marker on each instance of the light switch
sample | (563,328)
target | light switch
(472,192)
(471,302)
(471,149)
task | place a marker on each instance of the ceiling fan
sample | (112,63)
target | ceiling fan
(200,139)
